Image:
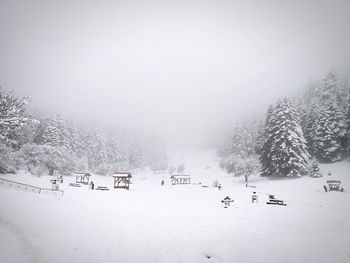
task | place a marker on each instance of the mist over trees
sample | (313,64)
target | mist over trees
(296,129)
(12,117)
(325,122)
(314,125)
(50,144)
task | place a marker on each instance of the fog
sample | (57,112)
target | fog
(185,70)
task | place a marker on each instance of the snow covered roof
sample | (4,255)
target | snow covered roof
(333,182)
(121,174)
(87,174)
(184,175)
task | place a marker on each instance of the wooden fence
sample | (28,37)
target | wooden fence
(29,188)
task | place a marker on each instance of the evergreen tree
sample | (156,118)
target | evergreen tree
(95,148)
(309,127)
(100,152)
(38,158)
(112,152)
(7,164)
(65,136)
(76,142)
(326,146)
(347,124)
(239,143)
(27,133)
(337,122)
(259,138)
(265,156)
(51,135)
(330,89)
(301,108)
(288,155)
(12,116)
(87,142)
(328,95)
(315,170)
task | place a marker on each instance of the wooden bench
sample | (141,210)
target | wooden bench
(102,188)
(74,185)
(275,202)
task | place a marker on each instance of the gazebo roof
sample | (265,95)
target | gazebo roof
(86,174)
(121,174)
(333,182)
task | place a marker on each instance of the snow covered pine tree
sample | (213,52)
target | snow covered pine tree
(315,170)
(265,155)
(347,123)
(12,116)
(285,151)
(326,140)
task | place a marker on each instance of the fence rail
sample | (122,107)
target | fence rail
(29,188)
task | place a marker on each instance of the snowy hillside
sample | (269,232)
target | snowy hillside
(181,223)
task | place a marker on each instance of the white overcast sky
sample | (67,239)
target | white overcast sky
(183,69)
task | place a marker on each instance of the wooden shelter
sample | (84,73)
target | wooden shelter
(82,178)
(122,180)
(334,185)
(180,179)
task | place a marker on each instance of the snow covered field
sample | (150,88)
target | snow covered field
(182,223)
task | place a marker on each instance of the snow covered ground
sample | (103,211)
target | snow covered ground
(182,223)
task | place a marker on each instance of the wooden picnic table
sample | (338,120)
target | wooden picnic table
(102,188)
(275,202)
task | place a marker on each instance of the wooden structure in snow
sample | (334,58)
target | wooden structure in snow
(227,201)
(180,179)
(82,178)
(334,185)
(274,201)
(122,180)
(29,188)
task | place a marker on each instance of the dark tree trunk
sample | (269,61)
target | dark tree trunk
(246,178)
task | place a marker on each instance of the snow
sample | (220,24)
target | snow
(182,223)
(121,174)
(332,149)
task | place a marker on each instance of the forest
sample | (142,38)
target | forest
(48,143)
(296,133)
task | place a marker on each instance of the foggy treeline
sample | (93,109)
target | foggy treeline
(51,144)
(296,133)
